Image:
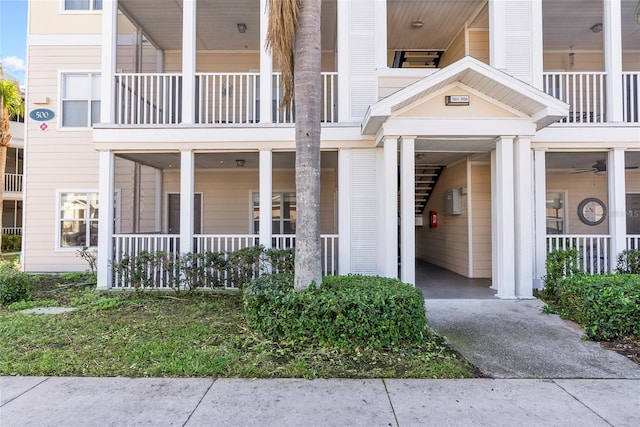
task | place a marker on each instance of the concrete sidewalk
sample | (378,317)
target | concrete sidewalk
(60,401)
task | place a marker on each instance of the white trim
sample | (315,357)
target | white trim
(108,60)
(407,210)
(470,269)
(265,207)
(380,39)
(343,60)
(60,118)
(90,11)
(524,218)
(612,46)
(58,218)
(389,222)
(616,178)
(540,212)
(189,23)
(266,68)
(344,211)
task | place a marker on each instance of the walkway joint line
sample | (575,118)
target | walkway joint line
(581,403)
(393,410)
(24,392)
(199,402)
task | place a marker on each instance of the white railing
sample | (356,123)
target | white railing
(16,231)
(13,182)
(148,98)
(328,248)
(584,92)
(630,94)
(126,247)
(328,100)
(633,241)
(224,242)
(227,97)
(593,248)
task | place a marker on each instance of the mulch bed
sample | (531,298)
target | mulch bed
(628,347)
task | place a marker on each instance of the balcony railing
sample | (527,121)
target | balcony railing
(630,101)
(633,241)
(584,92)
(220,98)
(16,231)
(13,182)
(593,248)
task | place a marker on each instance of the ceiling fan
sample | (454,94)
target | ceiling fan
(599,168)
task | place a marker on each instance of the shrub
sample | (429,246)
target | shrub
(345,312)
(607,306)
(559,264)
(628,262)
(14,284)
(11,243)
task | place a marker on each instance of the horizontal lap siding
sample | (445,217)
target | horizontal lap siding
(56,159)
(481,193)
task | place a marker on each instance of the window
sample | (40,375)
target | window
(556,202)
(78,219)
(283,213)
(82,4)
(80,99)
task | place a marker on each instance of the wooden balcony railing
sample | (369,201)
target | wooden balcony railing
(584,92)
(13,182)
(630,101)
(594,250)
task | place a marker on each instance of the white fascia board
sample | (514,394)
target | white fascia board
(458,127)
(594,136)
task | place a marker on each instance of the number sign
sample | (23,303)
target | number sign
(42,114)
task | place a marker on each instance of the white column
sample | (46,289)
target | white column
(540,212)
(344,211)
(524,221)
(612,28)
(494,223)
(390,207)
(158,205)
(105,218)
(343,60)
(186,200)
(503,201)
(188,60)
(108,69)
(159,61)
(266,182)
(617,203)
(497,34)
(266,68)
(381,34)
(407,210)
(537,61)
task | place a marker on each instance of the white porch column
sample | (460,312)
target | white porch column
(381,34)
(186,200)
(524,218)
(612,27)
(266,69)
(188,60)
(105,218)
(343,60)
(109,49)
(540,212)
(266,191)
(497,38)
(390,207)
(503,246)
(407,210)
(344,211)
(158,207)
(537,49)
(617,204)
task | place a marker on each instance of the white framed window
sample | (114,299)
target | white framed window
(556,211)
(81,5)
(283,212)
(80,97)
(77,219)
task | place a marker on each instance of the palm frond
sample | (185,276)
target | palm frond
(283,18)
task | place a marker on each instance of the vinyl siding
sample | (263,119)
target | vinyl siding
(481,232)
(454,52)
(479,45)
(230,61)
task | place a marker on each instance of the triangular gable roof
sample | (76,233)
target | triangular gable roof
(541,107)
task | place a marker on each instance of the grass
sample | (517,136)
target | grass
(179,335)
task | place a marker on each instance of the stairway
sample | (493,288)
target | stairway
(426,178)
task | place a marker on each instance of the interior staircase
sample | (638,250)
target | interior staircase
(426,178)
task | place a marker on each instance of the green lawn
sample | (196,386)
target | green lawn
(179,335)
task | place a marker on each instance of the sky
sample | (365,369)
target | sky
(13,37)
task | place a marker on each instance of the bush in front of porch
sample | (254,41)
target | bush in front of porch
(348,312)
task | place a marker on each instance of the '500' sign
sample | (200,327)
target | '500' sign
(42,114)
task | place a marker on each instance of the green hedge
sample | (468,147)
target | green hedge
(346,311)
(607,306)
(14,284)
(11,243)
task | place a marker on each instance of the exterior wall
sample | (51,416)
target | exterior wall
(448,244)
(479,45)
(231,61)
(588,61)
(388,85)
(49,18)
(480,191)
(455,51)
(56,159)
(124,178)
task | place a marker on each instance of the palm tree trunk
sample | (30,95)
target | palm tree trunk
(307,89)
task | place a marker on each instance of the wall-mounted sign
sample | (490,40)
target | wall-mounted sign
(42,114)
(456,100)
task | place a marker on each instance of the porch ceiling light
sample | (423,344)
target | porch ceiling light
(597,28)
(242,27)
(240,163)
(417,23)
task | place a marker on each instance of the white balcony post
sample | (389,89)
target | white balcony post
(266,190)
(266,68)
(344,60)
(381,34)
(186,200)
(390,207)
(540,212)
(344,211)
(617,203)
(188,60)
(407,210)
(105,218)
(537,49)
(109,49)
(612,28)
(503,218)
(497,38)
(158,204)
(524,222)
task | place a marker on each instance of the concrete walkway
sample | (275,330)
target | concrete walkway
(513,339)
(59,401)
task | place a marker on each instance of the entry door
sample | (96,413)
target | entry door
(174,213)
